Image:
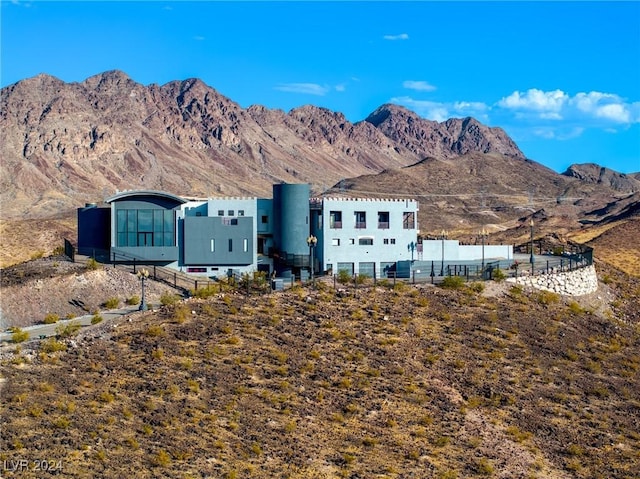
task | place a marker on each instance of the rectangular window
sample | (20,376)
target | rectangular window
(319,224)
(265,219)
(335,242)
(361,219)
(352,241)
(229,221)
(245,245)
(145,220)
(383,220)
(385,241)
(365,241)
(158,237)
(240,212)
(230,245)
(393,241)
(213,245)
(335,219)
(220,212)
(230,213)
(408,220)
(169,228)
(196,270)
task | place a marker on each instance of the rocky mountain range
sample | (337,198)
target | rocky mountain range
(64,144)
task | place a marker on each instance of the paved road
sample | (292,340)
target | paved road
(47,330)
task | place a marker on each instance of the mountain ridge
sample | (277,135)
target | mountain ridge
(64,142)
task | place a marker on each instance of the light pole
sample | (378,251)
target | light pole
(443,235)
(311,242)
(531,258)
(143,274)
(483,233)
(411,247)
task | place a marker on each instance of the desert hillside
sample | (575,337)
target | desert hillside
(378,382)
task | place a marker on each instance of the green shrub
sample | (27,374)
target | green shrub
(68,330)
(51,345)
(453,282)
(133,300)
(362,278)
(548,297)
(112,303)
(51,318)
(19,335)
(498,275)
(92,264)
(344,276)
(477,287)
(206,292)
(168,298)
(96,319)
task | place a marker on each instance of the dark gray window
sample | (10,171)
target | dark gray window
(145,227)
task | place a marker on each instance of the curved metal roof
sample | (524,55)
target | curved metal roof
(131,193)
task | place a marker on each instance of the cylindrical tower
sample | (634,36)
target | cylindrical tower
(291,218)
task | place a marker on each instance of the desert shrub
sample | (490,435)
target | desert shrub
(133,300)
(58,251)
(112,303)
(168,298)
(498,275)
(205,292)
(362,278)
(67,330)
(52,345)
(575,308)
(344,276)
(37,254)
(548,297)
(477,287)
(92,264)
(155,330)
(51,318)
(96,319)
(19,335)
(453,282)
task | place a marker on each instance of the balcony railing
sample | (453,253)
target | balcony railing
(336,225)
(383,225)
(361,225)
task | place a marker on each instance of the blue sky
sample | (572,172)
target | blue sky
(563,79)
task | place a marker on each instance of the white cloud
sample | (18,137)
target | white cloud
(341,87)
(305,88)
(441,111)
(534,99)
(418,85)
(402,36)
(198,38)
(470,105)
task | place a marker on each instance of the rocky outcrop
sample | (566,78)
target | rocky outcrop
(454,137)
(571,283)
(592,173)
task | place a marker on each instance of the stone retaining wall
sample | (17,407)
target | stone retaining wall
(570,283)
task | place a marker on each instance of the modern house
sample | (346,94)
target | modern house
(217,236)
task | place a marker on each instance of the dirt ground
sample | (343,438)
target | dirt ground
(31,290)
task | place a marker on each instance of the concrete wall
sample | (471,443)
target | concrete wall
(342,245)
(570,283)
(454,251)
(291,218)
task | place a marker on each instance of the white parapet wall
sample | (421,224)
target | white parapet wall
(570,283)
